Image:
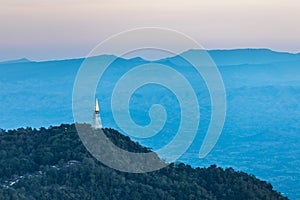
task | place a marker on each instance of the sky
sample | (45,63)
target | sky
(63,29)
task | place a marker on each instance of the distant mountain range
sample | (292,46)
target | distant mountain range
(223,57)
(251,56)
(261,132)
(21,60)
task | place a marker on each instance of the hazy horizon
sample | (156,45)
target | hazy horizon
(65,29)
(135,56)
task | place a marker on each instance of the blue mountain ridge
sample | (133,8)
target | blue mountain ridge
(261,132)
(21,60)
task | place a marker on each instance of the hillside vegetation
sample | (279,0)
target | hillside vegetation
(53,164)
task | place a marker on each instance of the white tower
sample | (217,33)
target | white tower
(96,117)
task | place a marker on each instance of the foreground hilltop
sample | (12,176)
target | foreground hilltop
(53,164)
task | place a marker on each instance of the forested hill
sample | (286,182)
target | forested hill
(53,164)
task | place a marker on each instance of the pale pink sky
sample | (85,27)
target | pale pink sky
(58,29)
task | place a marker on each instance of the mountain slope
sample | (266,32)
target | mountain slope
(53,164)
(250,56)
(21,60)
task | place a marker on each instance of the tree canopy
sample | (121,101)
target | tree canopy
(53,164)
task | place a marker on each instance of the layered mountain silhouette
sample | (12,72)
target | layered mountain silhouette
(261,132)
